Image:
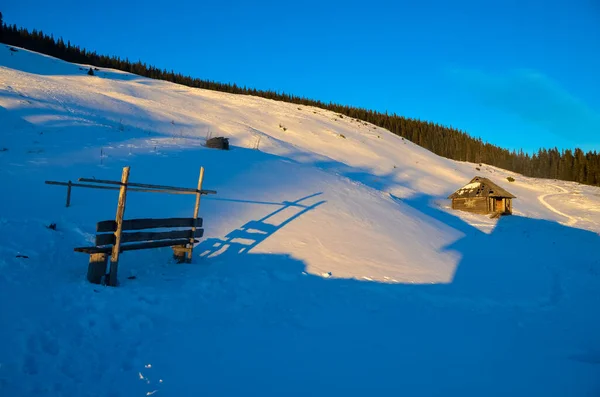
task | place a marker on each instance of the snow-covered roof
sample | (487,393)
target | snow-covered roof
(481,187)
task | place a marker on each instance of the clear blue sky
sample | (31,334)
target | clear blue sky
(517,73)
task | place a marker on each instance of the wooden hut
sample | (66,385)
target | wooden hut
(482,196)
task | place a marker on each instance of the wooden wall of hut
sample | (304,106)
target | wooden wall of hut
(483,205)
(478,205)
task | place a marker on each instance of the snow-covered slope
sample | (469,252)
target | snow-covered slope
(331,263)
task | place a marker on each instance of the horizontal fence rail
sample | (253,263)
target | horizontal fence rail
(133,189)
(148,186)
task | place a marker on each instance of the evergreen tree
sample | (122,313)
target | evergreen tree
(445,141)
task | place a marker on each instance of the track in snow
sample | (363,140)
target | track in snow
(571,221)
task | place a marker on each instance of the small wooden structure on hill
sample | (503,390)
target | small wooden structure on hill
(218,142)
(482,196)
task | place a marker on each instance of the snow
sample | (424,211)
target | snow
(471,186)
(467,188)
(328,266)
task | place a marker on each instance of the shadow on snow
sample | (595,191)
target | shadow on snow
(283,331)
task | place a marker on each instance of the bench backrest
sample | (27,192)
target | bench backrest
(105,231)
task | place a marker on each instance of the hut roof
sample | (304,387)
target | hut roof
(481,187)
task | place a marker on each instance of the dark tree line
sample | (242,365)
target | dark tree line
(447,142)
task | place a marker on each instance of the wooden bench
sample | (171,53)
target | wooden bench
(181,241)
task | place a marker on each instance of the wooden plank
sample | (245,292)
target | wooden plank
(150,186)
(114,257)
(80,185)
(130,237)
(93,250)
(148,223)
(146,185)
(165,191)
(196,210)
(477,205)
(136,246)
(155,244)
(131,189)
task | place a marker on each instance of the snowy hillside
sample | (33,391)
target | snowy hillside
(331,262)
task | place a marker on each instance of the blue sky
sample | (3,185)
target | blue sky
(517,73)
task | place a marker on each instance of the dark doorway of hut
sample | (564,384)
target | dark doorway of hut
(115,237)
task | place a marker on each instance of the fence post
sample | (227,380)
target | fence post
(69,194)
(114,258)
(196,210)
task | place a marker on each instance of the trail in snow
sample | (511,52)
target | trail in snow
(571,220)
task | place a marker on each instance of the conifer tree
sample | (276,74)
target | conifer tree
(571,165)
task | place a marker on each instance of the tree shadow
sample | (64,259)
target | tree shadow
(519,262)
(517,319)
(279,329)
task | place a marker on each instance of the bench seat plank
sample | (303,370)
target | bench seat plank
(136,246)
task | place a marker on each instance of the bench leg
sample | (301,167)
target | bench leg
(180,253)
(97,268)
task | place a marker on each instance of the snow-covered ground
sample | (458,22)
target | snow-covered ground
(331,262)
